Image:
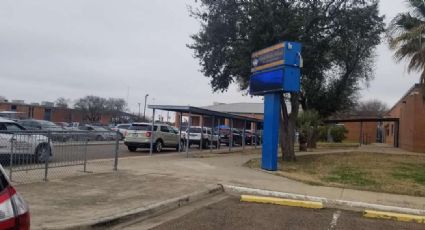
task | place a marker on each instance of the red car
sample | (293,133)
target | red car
(14,211)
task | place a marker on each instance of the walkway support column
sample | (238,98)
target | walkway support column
(188,135)
(218,133)
(256,135)
(231,135)
(152,132)
(244,134)
(212,134)
(180,132)
(201,144)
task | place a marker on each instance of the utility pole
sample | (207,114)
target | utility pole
(144,110)
(139,109)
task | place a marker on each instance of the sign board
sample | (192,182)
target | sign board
(268,58)
(276,69)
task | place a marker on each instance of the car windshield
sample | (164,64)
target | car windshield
(97,128)
(142,127)
(48,124)
(123,126)
(194,130)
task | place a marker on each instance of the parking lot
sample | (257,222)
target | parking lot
(230,213)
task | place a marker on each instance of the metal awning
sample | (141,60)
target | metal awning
(200,111)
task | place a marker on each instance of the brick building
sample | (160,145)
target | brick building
(47,111)
(410,110)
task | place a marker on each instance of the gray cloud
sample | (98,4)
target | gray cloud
(73,48)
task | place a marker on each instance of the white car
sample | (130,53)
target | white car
(195,136)
(21,144)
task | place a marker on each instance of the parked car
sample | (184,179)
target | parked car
(14,211)
(139,136)
(207,136)
(250,137)
(122,129)
(97,133)
(56,132)
(24,144)
(225,136)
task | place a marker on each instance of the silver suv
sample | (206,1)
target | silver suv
(139,136)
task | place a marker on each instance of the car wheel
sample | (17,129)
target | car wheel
(178,146)
(120,136)
(132,149)
(99,138)
(205,144)
(42,153)
(158,146)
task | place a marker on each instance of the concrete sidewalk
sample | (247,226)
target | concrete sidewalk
(144,180)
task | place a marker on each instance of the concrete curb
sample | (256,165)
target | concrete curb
(328,203)
(144,212)
(281,201)
(394,216)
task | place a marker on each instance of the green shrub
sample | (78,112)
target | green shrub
(338,133)
(323,133)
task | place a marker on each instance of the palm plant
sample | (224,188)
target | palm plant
(407,37)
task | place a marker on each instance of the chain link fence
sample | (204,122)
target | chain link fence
(30,156)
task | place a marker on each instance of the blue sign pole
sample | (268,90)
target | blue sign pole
(275,70)
(272,116)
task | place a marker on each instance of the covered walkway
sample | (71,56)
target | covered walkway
(214,120)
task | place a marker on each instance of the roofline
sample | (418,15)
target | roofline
(202,111)
(370,119)
(416,85)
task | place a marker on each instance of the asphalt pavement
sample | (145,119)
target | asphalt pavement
(232,214)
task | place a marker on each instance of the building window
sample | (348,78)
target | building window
(13,107)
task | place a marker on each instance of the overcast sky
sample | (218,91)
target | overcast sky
(128,48)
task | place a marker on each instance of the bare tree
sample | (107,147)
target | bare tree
(373,108)
(92,106)
(62,102)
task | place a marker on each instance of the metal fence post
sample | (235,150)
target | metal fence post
(46,158)
(86,143)
(117,144)
(12,143)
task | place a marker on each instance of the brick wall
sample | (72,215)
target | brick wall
(411,111)
(369,129)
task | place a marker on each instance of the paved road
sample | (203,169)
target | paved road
(232,214)
(99,150)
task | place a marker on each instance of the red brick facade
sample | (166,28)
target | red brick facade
(411,112)
(55,114)
(369,131)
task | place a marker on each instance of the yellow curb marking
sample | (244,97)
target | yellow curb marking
(280,201)
(394,216)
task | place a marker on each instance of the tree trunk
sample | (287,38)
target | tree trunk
(287,128)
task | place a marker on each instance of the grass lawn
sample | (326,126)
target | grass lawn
(401,174)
